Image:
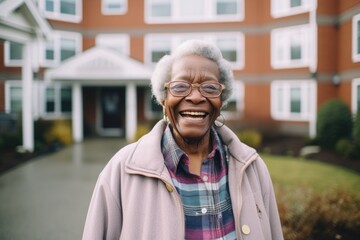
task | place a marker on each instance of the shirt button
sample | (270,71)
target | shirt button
(245,229)
(205,178)
(203,210)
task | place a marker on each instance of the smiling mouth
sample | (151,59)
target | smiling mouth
(194,115)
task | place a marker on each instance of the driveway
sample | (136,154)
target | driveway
(47,198)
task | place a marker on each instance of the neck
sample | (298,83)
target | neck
(197,150)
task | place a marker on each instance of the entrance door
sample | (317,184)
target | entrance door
(112,108)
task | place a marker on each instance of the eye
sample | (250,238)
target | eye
(210,87)
(179,87)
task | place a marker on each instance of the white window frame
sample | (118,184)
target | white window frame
(57,111)
(282,8)
(281,42)
(238,97)
(354,95)
(176,39)
(57,36)
(114,40)
(209,13)
(8,61)
(355,32)
(8,86)
(308,98)
(57,15)
(108,11)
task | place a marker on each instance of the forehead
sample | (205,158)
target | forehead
(193,64)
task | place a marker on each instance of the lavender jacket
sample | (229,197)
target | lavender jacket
(134,197)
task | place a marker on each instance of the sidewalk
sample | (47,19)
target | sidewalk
(47,198)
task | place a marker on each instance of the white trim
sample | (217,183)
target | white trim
(119,42)
(282,8)
(107,11)
(355,32)
(176,38)
(308,98)
(57,15)
(354,94)
(238,97)
(208,16)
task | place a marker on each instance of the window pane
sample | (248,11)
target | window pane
(49,5)
(15,99)
(15,51)
(228,49)
(295,49)
(114,4)
(280,100)
(159,49)
(67,48)
(295,100)
(50,51)
(66,99)
(160,8)
(68,7)
(224,7)
(192,8)
(50,100)
(295,3)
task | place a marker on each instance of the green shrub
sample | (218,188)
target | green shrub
(356,133)
(307,214)
(334,121)
(250,137)
(345,148)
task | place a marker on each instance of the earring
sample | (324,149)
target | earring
(165,118)
(220,121)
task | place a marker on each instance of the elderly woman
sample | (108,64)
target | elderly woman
(190,177)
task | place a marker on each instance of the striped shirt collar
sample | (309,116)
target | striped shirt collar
(173,154)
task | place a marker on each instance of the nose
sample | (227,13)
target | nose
(195,96)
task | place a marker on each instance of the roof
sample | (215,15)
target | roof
(21,21)
(99,65)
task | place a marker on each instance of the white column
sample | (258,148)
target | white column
(27,117)
(131,112)
(77,113)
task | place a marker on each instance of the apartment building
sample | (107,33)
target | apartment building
(288,58)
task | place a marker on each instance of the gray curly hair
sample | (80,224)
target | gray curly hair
(162,72)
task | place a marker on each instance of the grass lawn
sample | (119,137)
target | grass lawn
(292,173)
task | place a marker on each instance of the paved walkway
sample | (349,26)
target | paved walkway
(47,198)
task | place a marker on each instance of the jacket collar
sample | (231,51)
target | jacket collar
(147,157)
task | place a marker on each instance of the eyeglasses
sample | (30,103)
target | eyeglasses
(183,89)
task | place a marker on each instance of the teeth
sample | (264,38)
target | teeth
(194,113)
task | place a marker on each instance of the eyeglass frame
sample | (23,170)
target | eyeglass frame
(194,85)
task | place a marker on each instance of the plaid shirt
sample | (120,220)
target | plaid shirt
(206,199)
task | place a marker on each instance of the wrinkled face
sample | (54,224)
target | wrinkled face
(193,115)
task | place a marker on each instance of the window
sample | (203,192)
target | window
(235,103)
(231,45)
(281,8)
(13,54)
(13,97)
(64,45)
(290,47)
(163,11)
(58,100)
(62,10)
(119,42)
(293,100)
(113,7)
(356,38)
(355,95)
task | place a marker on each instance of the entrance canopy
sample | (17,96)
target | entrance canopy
(100,66)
